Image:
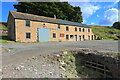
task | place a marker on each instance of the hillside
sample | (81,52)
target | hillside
(100,26)
(3,26)
(106,33)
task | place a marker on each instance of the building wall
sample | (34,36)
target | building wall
(71,31)
(21,31)
(11,27)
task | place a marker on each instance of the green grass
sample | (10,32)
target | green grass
(107,33)
(3,27)
(8,41)
(3,41)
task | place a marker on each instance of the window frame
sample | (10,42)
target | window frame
(67,37)
(75,28)
(71,36)
(79,29)
(67,28)
(83,36)
(83,30)
(28,36)
(58,26)
(27,23)
(54,35)
(88,29)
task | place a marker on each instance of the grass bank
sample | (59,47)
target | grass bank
(107,33)
(72,67)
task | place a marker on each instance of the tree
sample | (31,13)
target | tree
(62,10)
(116,25)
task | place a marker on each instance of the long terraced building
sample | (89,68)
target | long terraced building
(25,27)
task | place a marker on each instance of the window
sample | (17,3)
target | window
(67,37)
(71,36)
(83,30)
(83,37)
(75,29)
(54,35)
(58,26)
(88,30)
(27,23)
(80,29)
(67,28)
(28,35)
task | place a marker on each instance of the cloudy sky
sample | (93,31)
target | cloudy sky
(104,12)
(98,13)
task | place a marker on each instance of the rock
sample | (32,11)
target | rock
(21,66)
(57,56)
(62,68)
(62,63)
(18,68)
(35,70)
(51,73)
(65,52)
(86,49)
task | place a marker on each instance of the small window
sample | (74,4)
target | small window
(67,37)
(67,28)
(83,30)
(28,35)
(75,29)
(80,29)
(54,35)
(71,36)
(88,30)
(27,23)
(83,37)
(58,26)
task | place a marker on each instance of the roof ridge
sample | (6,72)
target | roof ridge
(32,14)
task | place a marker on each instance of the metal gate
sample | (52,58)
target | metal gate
(43,34)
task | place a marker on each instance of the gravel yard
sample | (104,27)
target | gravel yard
(16,54)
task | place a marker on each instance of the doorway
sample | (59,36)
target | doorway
(43,34)
(75,37)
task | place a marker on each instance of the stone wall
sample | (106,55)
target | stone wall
(21,30)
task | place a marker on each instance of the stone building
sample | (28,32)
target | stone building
(25,27)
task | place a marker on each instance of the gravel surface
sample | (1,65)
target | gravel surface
(17,53)
(55,47)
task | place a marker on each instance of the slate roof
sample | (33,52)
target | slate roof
(19,15)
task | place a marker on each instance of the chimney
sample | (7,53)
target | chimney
(54,16)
